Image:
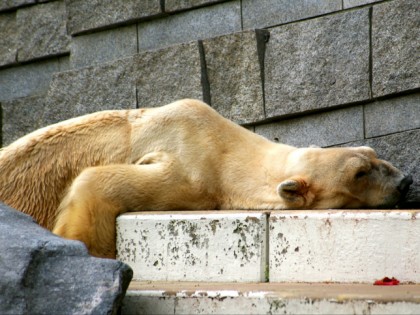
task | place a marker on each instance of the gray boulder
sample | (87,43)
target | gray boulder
(41,273)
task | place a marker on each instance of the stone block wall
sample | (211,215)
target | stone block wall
(329,73)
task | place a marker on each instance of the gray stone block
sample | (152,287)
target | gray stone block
(235,76)
(85,15)
(22,116)
(325,129)
(42,31)
(179,5)
(13,4)
(96,48)
(78,92)
(44,274)
(265,13)
(166,75)
(355,3)
(401,149)
(318,63)
(8,39)
(393,115)
(27,80)
(202,23)
(395,47)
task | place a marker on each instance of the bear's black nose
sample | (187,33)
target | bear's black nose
(405,185)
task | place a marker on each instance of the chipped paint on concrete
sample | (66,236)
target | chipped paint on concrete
(193,245)
(344,246)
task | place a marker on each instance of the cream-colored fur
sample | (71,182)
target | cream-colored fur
(80,174)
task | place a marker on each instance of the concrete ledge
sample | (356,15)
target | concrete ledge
(191,246)
(298,246)
(269,298)
(344,246)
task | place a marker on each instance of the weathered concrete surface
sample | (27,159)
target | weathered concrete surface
(165,75)
(235,73)
(266,13)
(187,26)
(395,47)
(176,5)
(44,274)
(94,14)
(324,129)
(28,80)
(355,3)
(11,4)
(82,91)
(105,46)
(344,246)
(187,246)
(42,31)
(392,115)
(8,39)
(317,63)
(20,117)
(269,298)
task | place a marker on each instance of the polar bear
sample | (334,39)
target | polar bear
(75,177)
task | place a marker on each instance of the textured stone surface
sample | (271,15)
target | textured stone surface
(103,46)
(326,129)
(234,74)
(355,3)
(77,92)
(89,15)
(22,116)
(27,80)
(265,13)
(178,5)
(8,39)
(42,31)
(44,274)
(401,149)
(201,23)
(166,75)
(393,115)
(317,63)
(194,246)
(12,4)
(344,246)
(395,47)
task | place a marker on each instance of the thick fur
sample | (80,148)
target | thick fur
(76,176)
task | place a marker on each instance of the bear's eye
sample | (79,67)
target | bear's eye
(360,174)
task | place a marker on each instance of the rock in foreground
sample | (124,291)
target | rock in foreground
(44,274)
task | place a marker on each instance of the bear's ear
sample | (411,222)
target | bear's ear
(293,191)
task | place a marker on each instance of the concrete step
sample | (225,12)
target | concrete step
(344,246)
(269,298)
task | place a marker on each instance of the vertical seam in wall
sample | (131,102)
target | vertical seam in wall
(242,17)
(262,38)
(370,54)
(137,38)
(364,121)
(138,50)
(205,85)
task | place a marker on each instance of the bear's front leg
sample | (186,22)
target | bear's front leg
(99,194)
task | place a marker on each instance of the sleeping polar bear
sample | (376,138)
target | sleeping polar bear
(77,176)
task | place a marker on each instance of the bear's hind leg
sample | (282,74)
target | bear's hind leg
(85,216)
(99,194)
